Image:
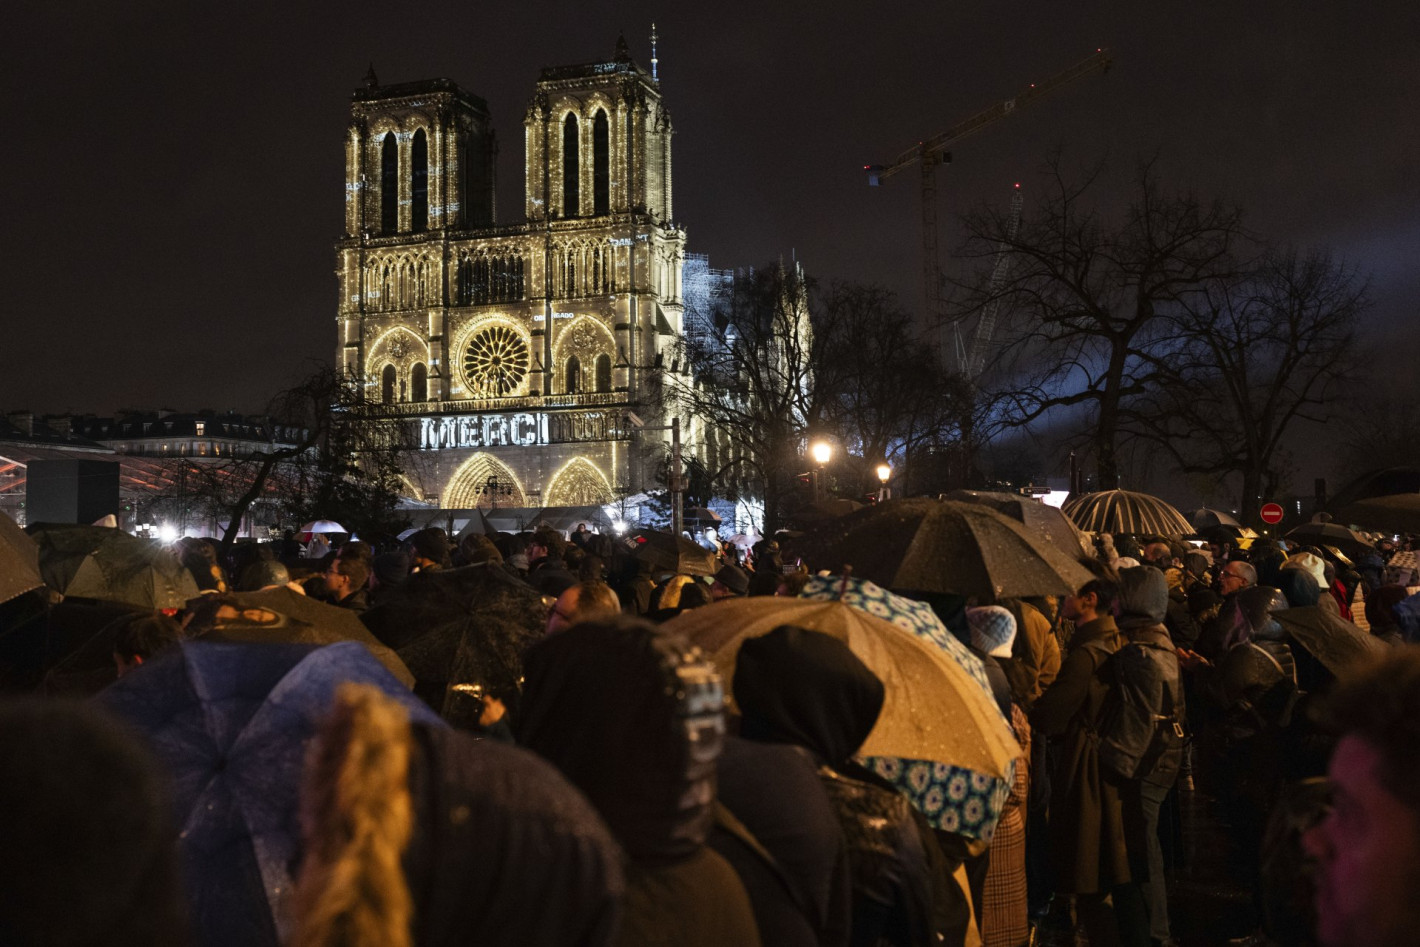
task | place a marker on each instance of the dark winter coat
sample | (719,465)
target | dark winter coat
(807,689)
(775,792)
(1087,839)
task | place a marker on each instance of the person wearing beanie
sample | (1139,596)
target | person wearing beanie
(993,631)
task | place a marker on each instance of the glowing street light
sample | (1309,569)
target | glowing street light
(822,453)
(884,472)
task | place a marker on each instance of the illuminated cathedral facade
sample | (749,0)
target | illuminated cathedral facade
(515,353)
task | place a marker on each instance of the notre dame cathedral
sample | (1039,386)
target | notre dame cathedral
(515,352)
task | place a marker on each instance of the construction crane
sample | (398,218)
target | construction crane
(933,151)
(972,360)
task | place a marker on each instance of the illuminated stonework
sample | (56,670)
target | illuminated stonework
(568,316)
(495,362)
(483,481)
(579,483)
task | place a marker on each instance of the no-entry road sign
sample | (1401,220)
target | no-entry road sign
(1271,513)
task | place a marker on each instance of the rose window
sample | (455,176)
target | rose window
(496,362)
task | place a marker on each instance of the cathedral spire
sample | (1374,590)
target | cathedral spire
(371,80)
(623,52)
(654,60)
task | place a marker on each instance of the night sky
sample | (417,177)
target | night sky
(173,175)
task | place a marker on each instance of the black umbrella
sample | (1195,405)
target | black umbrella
(1377,483)
(665,552)
(1331,534)
(311,622)
(460,628)
(1203,519)
(101,562)
(1332,640)
(1400,512)
(1034,515)
(944,546)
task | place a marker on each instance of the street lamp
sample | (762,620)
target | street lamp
(822,453)
(884,471)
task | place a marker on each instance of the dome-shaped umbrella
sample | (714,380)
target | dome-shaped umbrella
(1205,518)
(1126,512)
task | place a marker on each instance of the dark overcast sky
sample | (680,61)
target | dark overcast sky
(172,177)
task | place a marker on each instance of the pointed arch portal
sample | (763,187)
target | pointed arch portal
(483,481)
(579,483)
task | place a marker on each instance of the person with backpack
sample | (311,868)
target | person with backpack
(1088,854)
(1141,743)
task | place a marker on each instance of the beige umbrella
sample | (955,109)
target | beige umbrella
(1126,512)
(933,709)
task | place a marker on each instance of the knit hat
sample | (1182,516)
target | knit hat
(733,578)
(993,629)
(1311,564)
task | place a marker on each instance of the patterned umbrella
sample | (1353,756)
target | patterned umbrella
(935,714)
(952,798)
(1124,512)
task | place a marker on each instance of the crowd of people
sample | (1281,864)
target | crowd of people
(620,791)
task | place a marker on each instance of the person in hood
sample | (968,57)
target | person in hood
(1088,854)
(807,689)
(1143,605)
(422,836)
(633,717)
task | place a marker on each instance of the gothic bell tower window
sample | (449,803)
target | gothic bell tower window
(389,184)
(419,182)
(601,164)
(571,198)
